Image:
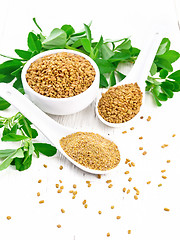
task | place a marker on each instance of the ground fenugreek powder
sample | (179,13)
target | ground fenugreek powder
(60,75)
(91,150)
(120,104)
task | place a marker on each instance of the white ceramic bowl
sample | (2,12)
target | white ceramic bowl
(61,106)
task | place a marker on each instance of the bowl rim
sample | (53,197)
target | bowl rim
(48,52)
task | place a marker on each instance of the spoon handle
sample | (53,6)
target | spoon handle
(145,59)
(44,123)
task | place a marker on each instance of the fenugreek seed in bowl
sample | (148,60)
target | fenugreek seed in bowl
(61,81)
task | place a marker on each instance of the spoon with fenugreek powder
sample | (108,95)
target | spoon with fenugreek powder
(89,151)
(123,104)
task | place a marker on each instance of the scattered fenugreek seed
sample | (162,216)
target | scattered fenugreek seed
(108,234)
(57,185)
(45,165)
(112,207)
(164,145)
(149,118)
(164,177)
(85,205)
(8,217)
(58,226)
(124,132)
(135,197)
(148,182)
(38,194)
(118,217)
(133,164)
(129,231)
(130,179)
(140,148)
(144,153)
(99,212)
(159,185)
(173,135)
(61,167)
(39,181)
(124,189)
(84,202)
(126,172)
(132,128)
(99,176)
(163,171)
(141,137)
(110,186)
(62,210)
(109,181)
(168,161)
(59,191)
(166,209)
(41,201)
(128,191)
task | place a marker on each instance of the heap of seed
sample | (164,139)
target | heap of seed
(60,75)
(91,150)
(120,104)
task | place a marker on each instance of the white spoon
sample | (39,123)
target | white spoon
(138,74)
(50,128)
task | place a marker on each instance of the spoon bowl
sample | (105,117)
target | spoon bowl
(49,127)
(138,74)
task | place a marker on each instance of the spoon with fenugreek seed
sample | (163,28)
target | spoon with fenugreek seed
(89,151)
(123,104)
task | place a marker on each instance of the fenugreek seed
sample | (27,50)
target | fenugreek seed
(130,179)
(45,165)
(84,202)
(89,185)
(8,217)
(149,118)
(159,185)
(62,210)
(60,181)
(173,135)
(88,182)
(118,217)
(74,196)
(59,191)
(99,212)
(39,181)
(129,164)
(108,181)
(58,226)
(166,209)
(141,137)
(124,189)
(168,161)
(57,185)
(99,176)
(164,145)
(74,192)
(86,205)
(141,117)
(124,132)
(144,153)
(112,207)
(128,191)
(71,191)
(126,172)
(164,177)
(108,234)
(128,160)
(132,128)
(38,194)
(133,164)
(163,171)
(135,197)
(110,186)
(140,148)
(129,231)
(61,187)
(61,167)
(41,201)
(148,182)
(74,186)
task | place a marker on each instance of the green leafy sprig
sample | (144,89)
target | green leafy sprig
(162,81)
(19,129)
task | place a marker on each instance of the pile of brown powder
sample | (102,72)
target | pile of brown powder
(120,104)
(91,150)
(60,75)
